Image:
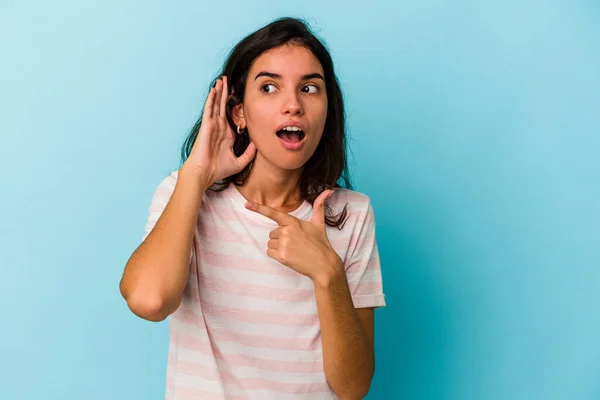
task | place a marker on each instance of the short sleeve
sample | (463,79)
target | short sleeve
(160,199)
(363,268)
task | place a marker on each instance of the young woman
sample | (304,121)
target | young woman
(268,268)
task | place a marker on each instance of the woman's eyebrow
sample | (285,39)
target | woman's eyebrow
(277,76)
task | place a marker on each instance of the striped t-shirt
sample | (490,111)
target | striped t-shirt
(247,327)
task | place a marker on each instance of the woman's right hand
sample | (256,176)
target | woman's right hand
(212,152)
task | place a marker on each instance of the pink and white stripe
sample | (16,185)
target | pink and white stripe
(248,327)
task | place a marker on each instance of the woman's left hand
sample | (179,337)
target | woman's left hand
(302,245)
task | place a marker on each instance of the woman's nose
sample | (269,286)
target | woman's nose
(292,105)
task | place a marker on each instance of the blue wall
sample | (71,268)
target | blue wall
(476,132)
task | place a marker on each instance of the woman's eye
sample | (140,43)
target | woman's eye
(315,88)
(266,86)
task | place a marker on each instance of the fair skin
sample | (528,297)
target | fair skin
(156,273)
(277,92)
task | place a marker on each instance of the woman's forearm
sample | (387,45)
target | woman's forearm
(348,357)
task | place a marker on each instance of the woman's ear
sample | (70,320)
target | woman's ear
(238,115)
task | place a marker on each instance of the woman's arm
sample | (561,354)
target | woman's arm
(347,337)
(157,271)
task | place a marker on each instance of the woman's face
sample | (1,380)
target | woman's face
(284,85)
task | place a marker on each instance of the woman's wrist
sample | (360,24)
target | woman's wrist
(196,175)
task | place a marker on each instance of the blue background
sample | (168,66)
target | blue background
(476,132)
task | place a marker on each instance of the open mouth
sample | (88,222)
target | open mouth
(291,136)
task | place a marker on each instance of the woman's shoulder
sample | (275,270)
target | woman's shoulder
(166,186)
(349,196)
(170,179)
(354,199)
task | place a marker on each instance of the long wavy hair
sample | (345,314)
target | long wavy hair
(327,168)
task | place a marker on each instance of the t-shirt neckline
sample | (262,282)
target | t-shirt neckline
(240,202)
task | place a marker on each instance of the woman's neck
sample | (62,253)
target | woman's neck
(274,187)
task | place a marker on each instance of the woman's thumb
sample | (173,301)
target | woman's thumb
(248,155)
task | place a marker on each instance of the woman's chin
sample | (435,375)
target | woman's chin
(289,163)
(282,158)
